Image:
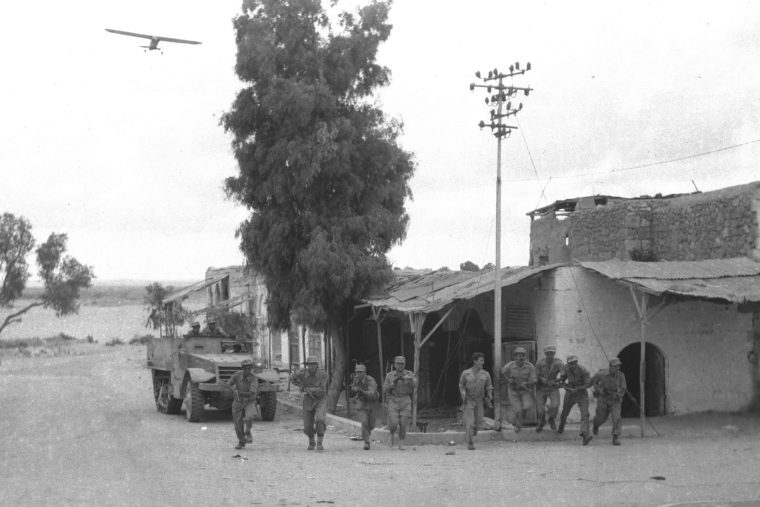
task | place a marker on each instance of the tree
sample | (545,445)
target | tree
(468,266)
(320,167)
(63,276)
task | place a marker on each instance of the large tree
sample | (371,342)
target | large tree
(63,276)
(320,165)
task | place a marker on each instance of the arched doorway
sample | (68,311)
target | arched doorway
(654,381)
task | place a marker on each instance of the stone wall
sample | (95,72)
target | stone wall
(710,225)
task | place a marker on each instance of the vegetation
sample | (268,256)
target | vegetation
(155,294)
(320,166)
(63,276)
(114,341)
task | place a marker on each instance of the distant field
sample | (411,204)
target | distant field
(106,312)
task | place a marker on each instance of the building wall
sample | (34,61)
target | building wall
(710,225)
(704,344)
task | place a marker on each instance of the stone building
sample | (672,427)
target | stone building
(241,290)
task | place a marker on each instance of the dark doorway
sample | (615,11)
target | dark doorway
(654,382)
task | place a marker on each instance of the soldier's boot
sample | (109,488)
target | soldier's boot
(312,444)
(615,440)
(595,429)
(240,445)
(319,443)
(587,439)
(248,436)
(561,428)
(401,445)
(392,439)
(552,424)
(366,445)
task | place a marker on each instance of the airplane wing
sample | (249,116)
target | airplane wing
(157,38)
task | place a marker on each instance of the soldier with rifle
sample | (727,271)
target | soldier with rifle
(575,380)
(547,389)
(520,376)
(399,388)
(365,396)
(313,383)
(609,388)
(244,388)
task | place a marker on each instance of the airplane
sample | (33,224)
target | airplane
(154,39)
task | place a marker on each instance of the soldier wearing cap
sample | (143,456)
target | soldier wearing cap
(475,386)
(575,379)
(400,388)
(547,370)
(313,383)
(520,376)
(244,386)
(609,388)
(210,328)
(195,329)
(365,396)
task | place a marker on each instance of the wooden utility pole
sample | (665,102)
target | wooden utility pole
(500,130)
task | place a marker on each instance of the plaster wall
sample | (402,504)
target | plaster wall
(704,344)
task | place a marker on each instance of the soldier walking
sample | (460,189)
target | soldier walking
(475,386)
(520,376)
(547,370)
(244,387)
(609,388)
(313,383)
(399,386)
(575,379)
(364,390)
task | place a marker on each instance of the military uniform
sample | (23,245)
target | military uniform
(365,398)
(244,385)
(207,331)
(546,389)
(520,380)
(577,379)
(400,390)
(610,389)
(314,402)
(476,386)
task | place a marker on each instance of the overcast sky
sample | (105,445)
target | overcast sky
(122,150)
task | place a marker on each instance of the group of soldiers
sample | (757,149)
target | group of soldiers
(527,385)
(209,329)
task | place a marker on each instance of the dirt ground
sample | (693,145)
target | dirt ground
(83,430)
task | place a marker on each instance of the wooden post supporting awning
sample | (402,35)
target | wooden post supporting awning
(645,315)
(378,317)
(416,320)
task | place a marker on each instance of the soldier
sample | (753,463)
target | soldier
(609,388)
(575,379)
(520,376)
(244,387)
(210,329)
(400,386)
(547,370)
(475,386)
(364,390)
(313,383)
(195,329)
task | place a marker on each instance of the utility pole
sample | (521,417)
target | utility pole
(494,82)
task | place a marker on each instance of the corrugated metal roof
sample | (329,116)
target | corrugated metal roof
(676,270)
(734,280)
(432,291)
(184,292)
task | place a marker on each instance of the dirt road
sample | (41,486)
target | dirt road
(84,430)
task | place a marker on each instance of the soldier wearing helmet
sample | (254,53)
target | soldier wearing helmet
(313,383)
(400,387)
(244,386)
(520,376)
(575,379)
(609,388)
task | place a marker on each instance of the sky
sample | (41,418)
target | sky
(122,149)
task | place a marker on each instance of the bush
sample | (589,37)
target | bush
(140,340)
(90,339)
(21,343)
(114,341)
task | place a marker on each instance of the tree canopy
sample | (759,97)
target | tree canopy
(320,166)
(63,276)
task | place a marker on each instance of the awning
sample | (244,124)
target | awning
(181,294)
(430,292)
(734,280)
(225,305)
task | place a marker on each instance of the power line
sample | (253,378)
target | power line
(533,164)
(651,164)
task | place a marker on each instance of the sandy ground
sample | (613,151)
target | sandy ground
(83,430)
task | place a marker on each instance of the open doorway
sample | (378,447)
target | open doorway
(654,381)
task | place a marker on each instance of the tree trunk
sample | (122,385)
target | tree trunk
(338,366)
